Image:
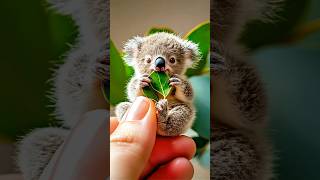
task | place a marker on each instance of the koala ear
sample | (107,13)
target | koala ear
(191,53)
(131,49)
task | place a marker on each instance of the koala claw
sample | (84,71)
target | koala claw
(174,81)
(162,107)
(144,80)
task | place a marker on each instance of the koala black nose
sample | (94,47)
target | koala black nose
(160,63)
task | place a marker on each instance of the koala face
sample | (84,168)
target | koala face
(161,52)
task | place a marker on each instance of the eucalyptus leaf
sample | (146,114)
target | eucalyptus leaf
(200,144)
(105,88)
(160,83)
(118,76)
(150,93)
(200,35)
(160,29)
(259,34)
(204,158)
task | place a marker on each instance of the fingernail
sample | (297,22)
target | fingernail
(138,110)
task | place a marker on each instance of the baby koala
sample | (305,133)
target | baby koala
(167,53)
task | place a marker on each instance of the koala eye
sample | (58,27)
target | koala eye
(148,60)
(172,60)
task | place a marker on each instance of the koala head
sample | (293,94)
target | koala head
(161,52)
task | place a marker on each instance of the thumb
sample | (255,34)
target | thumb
(132,141)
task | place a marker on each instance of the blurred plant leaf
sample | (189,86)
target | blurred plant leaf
(160,83)
(105,91)
(200,35)
(204,158)
(201,87)
(160,29)
(129,70)
(200,144)
(290,15)
(118,76)
(304,31)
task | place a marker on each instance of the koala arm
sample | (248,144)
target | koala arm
(239,149)
(134,89)
(36,150)
(239,94)
(183,88)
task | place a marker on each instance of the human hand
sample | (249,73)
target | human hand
(136,152)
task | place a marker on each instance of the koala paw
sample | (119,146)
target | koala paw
(175,81)
(144,81)
(162,110)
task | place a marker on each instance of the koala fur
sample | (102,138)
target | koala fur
(240,149)
(77,83)
(175,113)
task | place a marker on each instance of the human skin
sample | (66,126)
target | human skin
(136,152)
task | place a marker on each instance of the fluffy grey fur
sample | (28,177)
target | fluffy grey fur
(77,83)
(240,150)
(36,150)
(175,113)
(239,146)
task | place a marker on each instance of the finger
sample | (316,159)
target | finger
(177,169)
(83,153)
(168,148)
(132,141)
(113,124)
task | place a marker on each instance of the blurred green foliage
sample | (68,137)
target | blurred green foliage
(32,41)
(287,54)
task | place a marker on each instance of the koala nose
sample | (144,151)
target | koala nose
(160,63)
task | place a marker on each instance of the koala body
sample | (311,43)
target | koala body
(171,54)
(240,149)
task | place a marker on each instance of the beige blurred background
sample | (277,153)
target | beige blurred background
(129,18)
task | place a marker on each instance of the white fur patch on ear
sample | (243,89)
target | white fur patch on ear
(131,49)
(192,53)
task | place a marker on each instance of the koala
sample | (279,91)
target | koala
(240,149)
(77,83)
(168,53)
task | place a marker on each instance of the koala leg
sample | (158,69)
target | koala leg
(122,108)
(174,121)
(36,150)
(234,156)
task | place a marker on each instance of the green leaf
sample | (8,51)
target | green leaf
(150,93)
(160,83)
(200,35)
(200,144)
(160,29)
(258,34)
(204,158)
(201,87)
(129,70)
(118,76)
(106,91)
